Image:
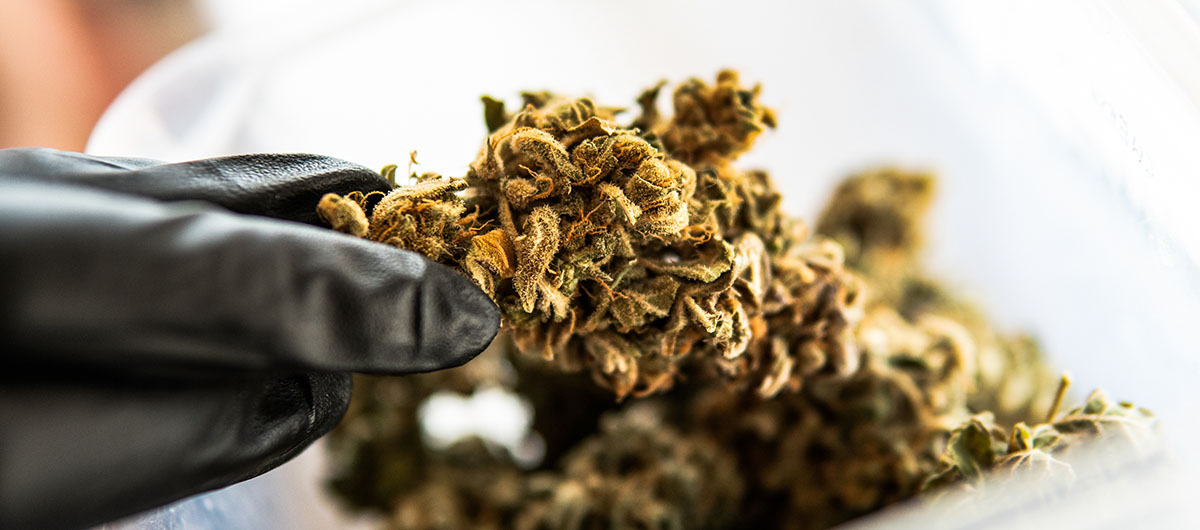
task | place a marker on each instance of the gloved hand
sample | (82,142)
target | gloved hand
(155,344)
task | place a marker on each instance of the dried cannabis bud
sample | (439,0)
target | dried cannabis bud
(787,380)
(636,473)
(378,454)
(878,218)
(980,448)
(610,250)
(842,448)
(468,485)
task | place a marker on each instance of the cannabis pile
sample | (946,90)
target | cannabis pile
(782,379)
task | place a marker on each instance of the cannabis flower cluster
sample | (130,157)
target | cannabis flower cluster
(630,251)
(783,379)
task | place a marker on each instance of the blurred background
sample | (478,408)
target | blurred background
(1065,135)
(63,61)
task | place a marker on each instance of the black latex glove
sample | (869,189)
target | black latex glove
(153,344)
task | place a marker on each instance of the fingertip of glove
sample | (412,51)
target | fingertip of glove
(311,403)
(458,320)
(330,397)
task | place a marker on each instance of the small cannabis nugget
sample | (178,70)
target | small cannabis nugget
(979,445)
(777,388)
(630,250)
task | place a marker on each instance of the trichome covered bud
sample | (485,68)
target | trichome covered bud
(612,251)
(790,380)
